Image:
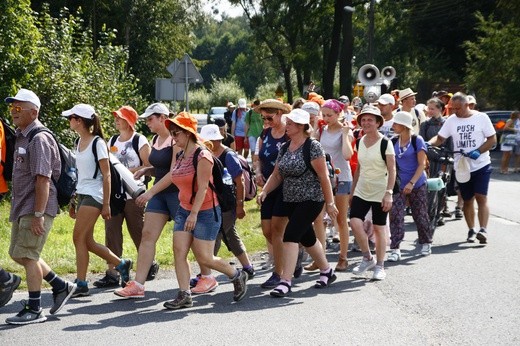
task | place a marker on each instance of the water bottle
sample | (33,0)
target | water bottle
(226,177)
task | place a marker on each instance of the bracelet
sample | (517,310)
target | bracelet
(411,182)
(331,204)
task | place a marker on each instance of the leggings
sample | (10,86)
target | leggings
(419,204)
(299,228)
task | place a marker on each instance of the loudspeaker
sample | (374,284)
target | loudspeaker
(369,75)
(388,73)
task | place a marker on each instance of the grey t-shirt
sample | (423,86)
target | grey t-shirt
(300,183)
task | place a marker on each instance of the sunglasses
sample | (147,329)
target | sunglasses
(17,109)
(175,133)
(75,117)
(267,118)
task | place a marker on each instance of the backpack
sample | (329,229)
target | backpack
(250,187)
(306,150)
(66,183)
(135,146)
(117,189)
(8,161)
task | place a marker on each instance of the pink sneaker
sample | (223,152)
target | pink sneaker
(133,289)
(205,284)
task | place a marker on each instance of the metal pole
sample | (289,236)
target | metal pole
(186,84)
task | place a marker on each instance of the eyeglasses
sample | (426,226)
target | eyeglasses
(17,109)
(267,118)
(175,133)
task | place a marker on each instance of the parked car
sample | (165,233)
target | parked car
(498,119)
(216,112)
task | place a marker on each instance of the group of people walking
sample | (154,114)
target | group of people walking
(290,157)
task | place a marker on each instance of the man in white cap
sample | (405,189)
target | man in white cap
(472,102)
(386,103)
(34,206)
(408,102)
(238,128)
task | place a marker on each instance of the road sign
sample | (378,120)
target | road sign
(173,66)
(165,90)
(186,72)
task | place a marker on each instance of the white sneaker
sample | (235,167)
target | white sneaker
(426,249)
(379,273)
(394,256)
(365,265)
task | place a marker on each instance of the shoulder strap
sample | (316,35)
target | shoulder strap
(94,152)
(135,146)
(414,142)
(283,148)
(154,139)
(222,157)
(307,153)
(384,145)
(357,143)
(195,164)
(113,140)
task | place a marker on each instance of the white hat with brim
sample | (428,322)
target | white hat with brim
(403,118)
(311,107)
(156,108)
(25,95)
(369,109)
(273,104)
(299,116)
(211,132)
(405,93)
(81,110)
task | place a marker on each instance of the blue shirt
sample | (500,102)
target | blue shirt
(406,158)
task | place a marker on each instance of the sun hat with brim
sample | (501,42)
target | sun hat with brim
(273,104)
(185,121)
(472,100)
(127,113)
(405,93)
(81,110)
(25,95)
(403,118)
(156,108)
(369,109)
(311,107)
(299,116)
(211,132)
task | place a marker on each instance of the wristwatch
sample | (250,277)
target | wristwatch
(390,191)
(38,214)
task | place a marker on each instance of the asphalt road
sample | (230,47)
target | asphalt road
(463,294)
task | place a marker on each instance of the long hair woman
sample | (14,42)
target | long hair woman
(93,192)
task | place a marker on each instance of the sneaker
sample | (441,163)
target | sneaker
(62,297)
(365,265)
(183,300)
(81,291)
(107,281)
(298,269)
(193,281)
(27,316)
(441,221)
(458,213)
(482,236)
(7,289)
(132,290)
(472,236)
(152,273)
(394,256)
(240,287)
(250,272)
(205,284)
(446,213)
(272,282)
(426,249)
(124,270)
(269,263)
(379,273)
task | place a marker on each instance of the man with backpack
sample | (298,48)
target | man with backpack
(205,282)
(34,206)
(3,158)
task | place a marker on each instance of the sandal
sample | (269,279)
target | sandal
(325,279)
(342,265)
(311,267)
(279,292)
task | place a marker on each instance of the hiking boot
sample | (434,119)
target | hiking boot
(61,298)
(250,272)
(472,236)
(379,273)
(272,282)
(426,249)
(482,236)
(152,273)
(193,281)
(183,300)
(124,270)
(107,281)
(81,291)
(365,265)
(240,287)
(133,289)
(205,284)
(7,289)
(27,316)
(458,213)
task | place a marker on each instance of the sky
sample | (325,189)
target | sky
(225,7)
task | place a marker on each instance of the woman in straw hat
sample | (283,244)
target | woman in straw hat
(305,192)
(372,188)
(198,219)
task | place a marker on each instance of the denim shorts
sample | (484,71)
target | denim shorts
(88,200)
(343,188)
(164,203)
(206,227)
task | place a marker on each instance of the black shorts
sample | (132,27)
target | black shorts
(359,209)
(273,205)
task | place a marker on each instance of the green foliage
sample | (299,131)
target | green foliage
(200,101)
(223,91)
(493,69)
(266,91)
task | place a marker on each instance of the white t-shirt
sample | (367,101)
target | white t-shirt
(332,144)
(373,177)
(386,128)
(469,134)
(87,185)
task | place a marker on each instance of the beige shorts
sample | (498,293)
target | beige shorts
(24,244)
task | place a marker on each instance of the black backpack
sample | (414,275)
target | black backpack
(135,146)
(8,161)
(66,183)
(117,189)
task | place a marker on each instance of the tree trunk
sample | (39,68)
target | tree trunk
(347,50)
(332,59)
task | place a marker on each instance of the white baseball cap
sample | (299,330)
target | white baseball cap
(242,103)
(299,116)
(82,110)
(211,132)
(156,108)
(25,95)
(386,99)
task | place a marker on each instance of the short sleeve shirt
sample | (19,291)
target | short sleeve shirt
(332,143)
(239,117)
(86,166)
(299,182)
(406,158)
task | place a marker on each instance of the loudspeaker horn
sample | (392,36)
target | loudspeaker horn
(369,74)
(388,73)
